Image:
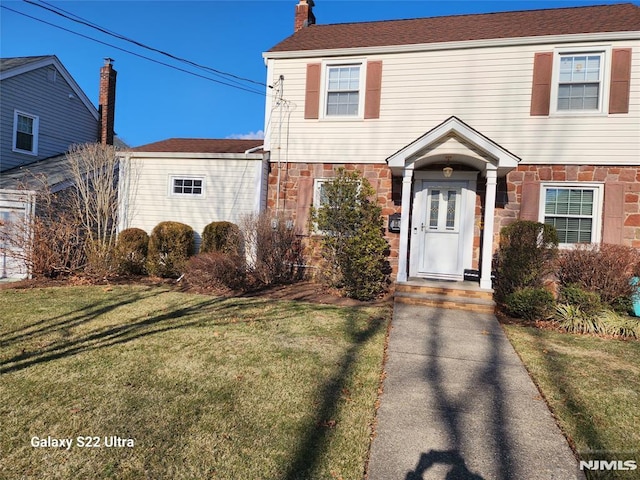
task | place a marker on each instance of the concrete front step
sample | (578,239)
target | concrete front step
(462,295)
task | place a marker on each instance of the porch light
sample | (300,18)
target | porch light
(447,171)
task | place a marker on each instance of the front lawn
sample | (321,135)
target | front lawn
(592,386)
(204,387)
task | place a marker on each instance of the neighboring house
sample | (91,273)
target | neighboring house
(193,181)
(463,124)
(43,112)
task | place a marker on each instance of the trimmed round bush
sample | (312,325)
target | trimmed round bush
(132,248)
(170,246)
(220,237)
(530,303)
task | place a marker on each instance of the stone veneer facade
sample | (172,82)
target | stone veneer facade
(629,176)
(508,201)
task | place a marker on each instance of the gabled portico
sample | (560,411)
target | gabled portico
(438,211)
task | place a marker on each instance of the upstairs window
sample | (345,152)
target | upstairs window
(25,133)
(187,186)
(343,91)
(580,82)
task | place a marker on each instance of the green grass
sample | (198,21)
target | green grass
(206,387)
(592,386)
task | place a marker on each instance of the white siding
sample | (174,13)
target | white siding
(63,120)
(488,88)
(231,191)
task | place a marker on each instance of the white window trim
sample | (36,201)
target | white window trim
(36,125)
(598,205)
(324,87)
(605,68)
(172,178)
(316,190)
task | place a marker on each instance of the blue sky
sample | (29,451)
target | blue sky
(155,102)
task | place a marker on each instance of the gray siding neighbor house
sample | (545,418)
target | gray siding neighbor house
(42,111)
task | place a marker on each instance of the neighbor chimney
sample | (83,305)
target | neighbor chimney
(107,102)
(304,15)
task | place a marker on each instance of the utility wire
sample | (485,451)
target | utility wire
(69,15)
(246,89)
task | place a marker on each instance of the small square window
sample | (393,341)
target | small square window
(187,186)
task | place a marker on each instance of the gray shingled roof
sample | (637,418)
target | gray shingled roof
(15,62)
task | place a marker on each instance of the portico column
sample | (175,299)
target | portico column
(404,224)
(488,220)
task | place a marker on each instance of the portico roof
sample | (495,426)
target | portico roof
(471,147)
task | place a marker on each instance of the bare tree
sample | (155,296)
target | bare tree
(94,171)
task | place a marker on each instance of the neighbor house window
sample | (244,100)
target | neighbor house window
(580,78)
(574,211)
(191,186)
(343,90)
(25,133)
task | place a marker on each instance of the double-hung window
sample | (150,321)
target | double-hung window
(343,90)
(574,211)
(580,82)
(187,186)
(25,133)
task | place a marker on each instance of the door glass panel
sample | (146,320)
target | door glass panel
(434,209)
(451,209)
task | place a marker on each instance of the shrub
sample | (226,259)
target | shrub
(608,322)
(572,319)
(132,248)
(524,257)
(530,303)
(588,302)
(221,237)
(216,271)
(605,269)
(170,245)
(275,251)
(352,243)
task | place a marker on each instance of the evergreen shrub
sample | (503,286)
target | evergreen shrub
(221,237)
(170,246)
(525,256)
(530,303)
(132,248)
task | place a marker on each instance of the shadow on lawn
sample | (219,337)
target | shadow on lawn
(585,429)
(74,318)
(113,335)
(318,433)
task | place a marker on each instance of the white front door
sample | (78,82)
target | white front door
(437,247)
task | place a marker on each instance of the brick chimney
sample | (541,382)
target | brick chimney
(107,102)
(304,15)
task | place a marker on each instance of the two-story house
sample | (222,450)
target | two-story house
(463,124)
(43,112)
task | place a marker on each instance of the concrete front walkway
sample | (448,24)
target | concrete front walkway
(459,404)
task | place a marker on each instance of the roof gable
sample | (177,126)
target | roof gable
(530,23)
(12,67)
